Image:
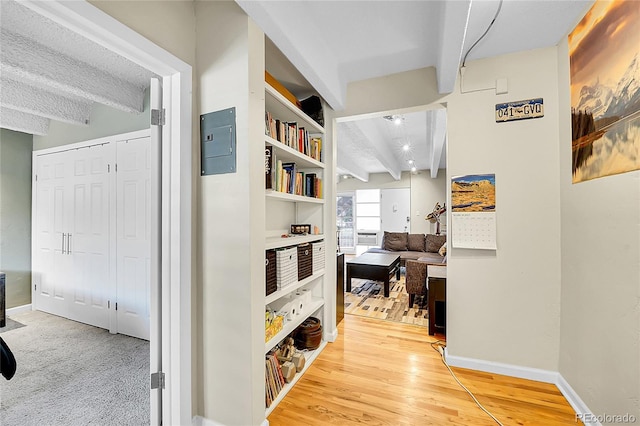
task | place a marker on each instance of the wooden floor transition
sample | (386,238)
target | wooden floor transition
(385,373)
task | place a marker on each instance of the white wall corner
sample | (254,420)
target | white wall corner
(202,421)
(582,411)
(19,309)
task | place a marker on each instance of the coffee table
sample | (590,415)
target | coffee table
(374,266)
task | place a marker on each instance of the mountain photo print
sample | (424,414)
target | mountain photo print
(604,51)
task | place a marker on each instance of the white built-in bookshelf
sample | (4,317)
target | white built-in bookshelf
(284,209)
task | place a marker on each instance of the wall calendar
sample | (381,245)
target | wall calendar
(473,211)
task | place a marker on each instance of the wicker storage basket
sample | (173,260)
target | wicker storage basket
(308,335)
(270,272)
(286,266)
(317,249)
(305,267)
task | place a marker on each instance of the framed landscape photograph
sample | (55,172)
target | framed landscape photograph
(604,51)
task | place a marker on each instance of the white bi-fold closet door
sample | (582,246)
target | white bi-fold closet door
(90,234)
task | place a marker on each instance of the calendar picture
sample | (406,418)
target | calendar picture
(473,211)
(473,193)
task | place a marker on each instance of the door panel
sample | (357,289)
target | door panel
(395,209)
(133,243)
(88,238)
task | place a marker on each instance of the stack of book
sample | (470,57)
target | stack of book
(285,177)
(274,380)
(293,136)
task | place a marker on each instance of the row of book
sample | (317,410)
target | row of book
(285,177)
(274,379)
(293,136)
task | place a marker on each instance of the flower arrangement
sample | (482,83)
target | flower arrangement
(434,216)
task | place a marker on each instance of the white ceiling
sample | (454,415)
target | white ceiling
(334,43)
(51,73)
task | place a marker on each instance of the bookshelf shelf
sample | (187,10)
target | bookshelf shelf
(291,288)
(278,242)
(289,326)
(285,196)
(310,356)
(280,106)
(286,153)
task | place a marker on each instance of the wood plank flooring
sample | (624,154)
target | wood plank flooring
(385,373)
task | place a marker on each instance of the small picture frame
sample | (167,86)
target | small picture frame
(300,229)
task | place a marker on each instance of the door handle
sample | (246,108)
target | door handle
(63,242)
(68,243)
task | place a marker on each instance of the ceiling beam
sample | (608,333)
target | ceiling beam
(455,19)
(23,122)
(25,60)
(350,165)
(294,39)
(438,135)
(381,149)
(22,97)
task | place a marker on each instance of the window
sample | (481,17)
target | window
(368,209)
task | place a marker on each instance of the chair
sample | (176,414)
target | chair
(416,279)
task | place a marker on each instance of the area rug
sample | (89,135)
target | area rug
(10,325)
(367,299)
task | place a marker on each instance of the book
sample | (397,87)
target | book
(268,166)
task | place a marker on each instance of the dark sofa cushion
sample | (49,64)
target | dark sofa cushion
(396,241)
(434,242)
(415,242)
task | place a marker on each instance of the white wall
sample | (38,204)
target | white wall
(504,305)
(600,325)
(15,216)
(230,66)
(425,192)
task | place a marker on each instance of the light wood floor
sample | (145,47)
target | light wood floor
(384,373)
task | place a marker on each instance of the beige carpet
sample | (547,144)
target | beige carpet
(367,300)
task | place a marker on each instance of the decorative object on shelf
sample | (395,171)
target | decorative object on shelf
(434,216)
(273,324)
(312,106)
(300,229)
(288,371)
(308,335)
(270,272)
(305,261)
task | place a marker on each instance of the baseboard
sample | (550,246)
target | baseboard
(332,336)
(19,309)
(546,376)
(201,421)
(578,405)
(539,375)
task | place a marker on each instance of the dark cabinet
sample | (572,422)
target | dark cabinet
(437,305)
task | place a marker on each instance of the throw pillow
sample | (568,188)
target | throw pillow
(434,242)
(443,250)
(415,242)
(395,241)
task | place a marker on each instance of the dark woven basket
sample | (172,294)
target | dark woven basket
(270,271)
(305,261)
(308,335)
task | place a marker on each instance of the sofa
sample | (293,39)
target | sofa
(416,252)
(425,247)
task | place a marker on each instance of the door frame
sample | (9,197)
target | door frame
(175,229)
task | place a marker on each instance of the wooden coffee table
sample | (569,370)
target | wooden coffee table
(374,266)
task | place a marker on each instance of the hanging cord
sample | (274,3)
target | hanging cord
(464,60)
(439,344)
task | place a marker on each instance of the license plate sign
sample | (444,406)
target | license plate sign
(520,110)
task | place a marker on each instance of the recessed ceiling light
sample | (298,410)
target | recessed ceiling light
(405,147)
(397,120)
(410,161)
(413,169)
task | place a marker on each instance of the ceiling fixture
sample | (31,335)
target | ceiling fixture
(410,161)
(414,169)
(395,119)
(405,147)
